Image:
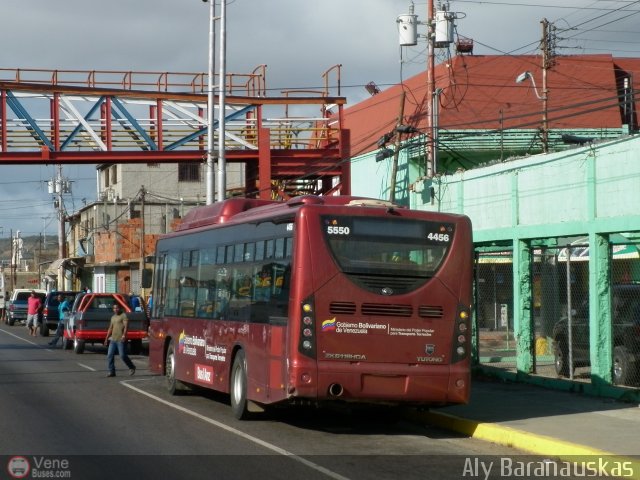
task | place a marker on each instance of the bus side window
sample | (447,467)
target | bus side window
(169,299)
(282,282)
(269,250)
(279,248)
(244,286)
(206,283)
(222,293)
(263,282)
(260,251)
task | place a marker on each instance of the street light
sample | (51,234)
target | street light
(210,98)
(222,73)
(222,164)
(529,76)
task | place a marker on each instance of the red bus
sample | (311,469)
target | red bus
(316,299)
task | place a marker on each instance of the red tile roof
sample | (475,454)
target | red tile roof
(478,90)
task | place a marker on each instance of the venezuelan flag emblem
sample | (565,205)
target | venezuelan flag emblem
(181,342)
(329,325)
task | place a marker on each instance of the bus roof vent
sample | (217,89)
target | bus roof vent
(305,200)
(219,212)
(370,202)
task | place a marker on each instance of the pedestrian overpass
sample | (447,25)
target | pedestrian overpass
(292,142)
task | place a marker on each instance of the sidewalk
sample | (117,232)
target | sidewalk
(545,422)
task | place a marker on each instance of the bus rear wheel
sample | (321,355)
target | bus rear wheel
(135,346)
(174,386)
(238,387)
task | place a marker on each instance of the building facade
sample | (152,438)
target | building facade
(109,239)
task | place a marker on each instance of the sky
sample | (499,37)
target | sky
(298,40)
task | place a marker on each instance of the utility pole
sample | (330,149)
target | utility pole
(11,265)
(142,231)
(431,65)
(222,162)
(548,60)
(44,231)
(210,102)
(396,154)
(59,189)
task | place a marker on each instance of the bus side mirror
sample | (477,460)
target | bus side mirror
(147,278)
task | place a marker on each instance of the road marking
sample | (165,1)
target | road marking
(26,340)
(246,436)
(88,367)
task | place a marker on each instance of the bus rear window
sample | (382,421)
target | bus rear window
(387,246)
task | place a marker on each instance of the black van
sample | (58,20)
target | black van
(50,314)
(625,328)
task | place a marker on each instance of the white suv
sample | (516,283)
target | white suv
(17,308)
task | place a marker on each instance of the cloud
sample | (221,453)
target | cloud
(297,39)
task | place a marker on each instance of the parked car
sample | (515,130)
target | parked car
(50,313)
(625,306)
(17,309)
(91,315)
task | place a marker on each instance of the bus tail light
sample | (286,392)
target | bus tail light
(461,334)
(307,341)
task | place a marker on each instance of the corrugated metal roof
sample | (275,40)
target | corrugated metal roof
(480,93)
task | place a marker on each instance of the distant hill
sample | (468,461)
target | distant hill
(34,249)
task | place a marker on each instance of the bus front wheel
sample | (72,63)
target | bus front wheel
(238,388)
(174,386)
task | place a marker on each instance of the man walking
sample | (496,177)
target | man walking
(63,311)
(34,305)
(118,334)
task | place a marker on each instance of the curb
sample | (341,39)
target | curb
(522,440)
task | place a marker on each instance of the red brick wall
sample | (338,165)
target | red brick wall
(124,244)
(105,247)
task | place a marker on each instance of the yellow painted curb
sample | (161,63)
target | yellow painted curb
(529,442)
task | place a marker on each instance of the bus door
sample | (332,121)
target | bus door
(269,319)
(277,348)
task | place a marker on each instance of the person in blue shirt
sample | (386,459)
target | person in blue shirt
(134,303)
(63,311)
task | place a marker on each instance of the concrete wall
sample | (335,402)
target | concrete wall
(160,179)
(567,193)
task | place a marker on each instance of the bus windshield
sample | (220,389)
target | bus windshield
(387,246)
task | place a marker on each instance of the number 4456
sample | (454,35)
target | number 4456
(438,237)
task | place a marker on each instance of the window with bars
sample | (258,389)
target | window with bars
(189,172)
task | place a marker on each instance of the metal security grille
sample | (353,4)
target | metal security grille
(566,336)
(494,309)
(625,313)
(560,311)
